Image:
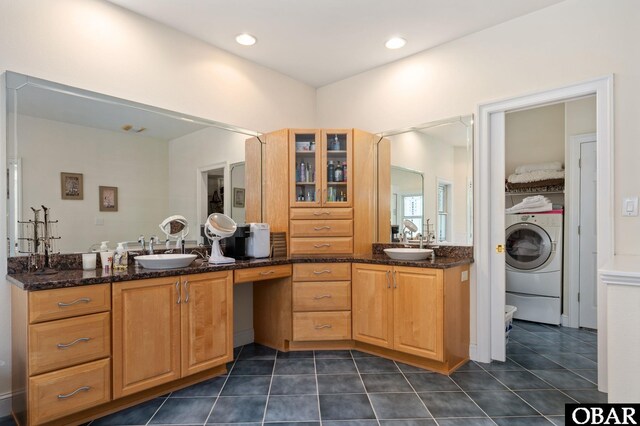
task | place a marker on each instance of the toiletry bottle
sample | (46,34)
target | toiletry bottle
(330,171)
(104,246)
(344,171)
(303,174)
(308,178)
(338,173)
(312,146)
(121,258)
(335,146)
(297,172)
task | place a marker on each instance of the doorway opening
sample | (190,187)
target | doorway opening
(490,237)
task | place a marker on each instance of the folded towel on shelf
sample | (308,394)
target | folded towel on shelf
(527,168)
(543,184)
(536,176)
(534,204)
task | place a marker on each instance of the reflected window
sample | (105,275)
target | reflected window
(412,210)
(444,211)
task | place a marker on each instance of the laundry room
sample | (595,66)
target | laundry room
(550,233)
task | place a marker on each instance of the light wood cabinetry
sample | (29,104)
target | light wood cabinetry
(168,328)
(61,349)
(420,312)
(261,273)
(321,303)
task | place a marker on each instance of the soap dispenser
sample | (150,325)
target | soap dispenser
(104,246)
(121,258)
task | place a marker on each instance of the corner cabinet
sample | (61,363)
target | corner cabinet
(421,312)
(168,328)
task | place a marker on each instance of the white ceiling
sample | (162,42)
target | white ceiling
(322,41)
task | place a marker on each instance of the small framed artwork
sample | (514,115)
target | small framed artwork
(238,197)
(71,186)
(108,199)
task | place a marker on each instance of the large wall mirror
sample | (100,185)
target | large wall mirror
(431,178)
(110,169)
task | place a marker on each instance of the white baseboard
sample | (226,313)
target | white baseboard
(5,404)
(564,320)
(243,337)
(473,352)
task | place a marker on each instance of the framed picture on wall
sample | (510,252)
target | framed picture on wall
(71,186)
(238,197)
(108,197)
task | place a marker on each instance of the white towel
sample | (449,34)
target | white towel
(536,176)
(526,168)
(535,204)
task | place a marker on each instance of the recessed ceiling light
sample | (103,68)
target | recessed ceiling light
(395,43)
(246,39)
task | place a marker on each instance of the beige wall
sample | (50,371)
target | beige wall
(546,49)
(534,136)
(98,46)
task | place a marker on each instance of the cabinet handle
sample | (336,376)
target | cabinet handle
(68,345)
(322,296)
(324,271)
(322,245)
(69,395)
(186,290)
(395,282)
(267,272)
(75,302)
(320,327)
(388,279)
(178,292)
(320,228)
(321,213)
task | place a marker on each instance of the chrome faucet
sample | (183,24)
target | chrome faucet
(141,241)
(152,241)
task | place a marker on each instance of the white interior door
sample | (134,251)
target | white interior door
(588,236)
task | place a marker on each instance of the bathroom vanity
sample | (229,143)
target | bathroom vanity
(86,347)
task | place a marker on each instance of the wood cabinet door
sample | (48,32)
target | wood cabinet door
(418,311)
(305,184)
(337,149)
(372,304)
(207,321)
(146,334)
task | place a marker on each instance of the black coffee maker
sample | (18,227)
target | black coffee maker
(236,245)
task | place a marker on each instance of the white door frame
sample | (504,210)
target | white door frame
(572,216)
(201,189)
(490,291)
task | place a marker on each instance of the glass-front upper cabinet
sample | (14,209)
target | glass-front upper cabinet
(321,167)
(305,168)
(337,153)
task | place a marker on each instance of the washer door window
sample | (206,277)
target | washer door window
(528,246)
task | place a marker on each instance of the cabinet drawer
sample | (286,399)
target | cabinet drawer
(59,303)
(322,296)
(66,342)
(331,245)
(261,273)
(322,272)
(320,213)
(308,326)
(321,228)
(63,392)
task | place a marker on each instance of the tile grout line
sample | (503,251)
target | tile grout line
(468,396)
(223,385)
(273,372)
(156,412)
(416,393)
(364,387)
(315,374)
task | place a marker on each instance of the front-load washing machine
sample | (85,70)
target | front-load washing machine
(534,265)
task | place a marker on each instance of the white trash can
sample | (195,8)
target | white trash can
(508,320)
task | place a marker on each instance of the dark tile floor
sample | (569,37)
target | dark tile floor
(546,368)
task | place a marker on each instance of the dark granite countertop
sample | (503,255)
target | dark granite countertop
(76,277)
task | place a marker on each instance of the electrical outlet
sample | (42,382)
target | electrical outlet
(630,206)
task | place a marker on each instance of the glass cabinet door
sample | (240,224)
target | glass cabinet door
(306,173)
(337,167)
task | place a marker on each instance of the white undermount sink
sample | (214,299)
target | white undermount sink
(165,261)
(408,253)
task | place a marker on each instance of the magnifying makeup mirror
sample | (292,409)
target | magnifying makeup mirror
(410,225)
(175,227)
(219,226)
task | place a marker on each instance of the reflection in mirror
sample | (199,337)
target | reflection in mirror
(431,181)
(407,188)
(175,227)
(150,155)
